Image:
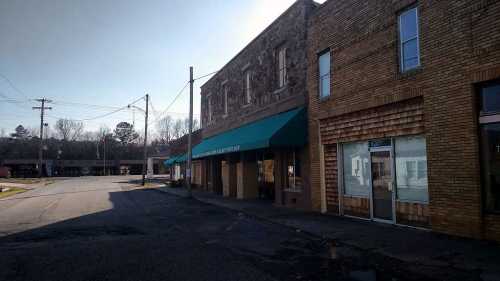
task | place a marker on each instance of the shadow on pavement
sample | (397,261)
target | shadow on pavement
(149,235)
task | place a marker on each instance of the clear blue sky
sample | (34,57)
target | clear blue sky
(109,52)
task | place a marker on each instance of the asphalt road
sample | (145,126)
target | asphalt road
(105,229)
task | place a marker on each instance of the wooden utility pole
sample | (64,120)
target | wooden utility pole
(42,109)
(189,152)
(145,160)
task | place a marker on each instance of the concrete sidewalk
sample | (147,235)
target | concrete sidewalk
(420,249)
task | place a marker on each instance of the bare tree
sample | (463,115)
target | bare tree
(89,136)
(196,124)
(103,131)
(68,130)
(177,130)
(185,127)
(33,132)
(165,128)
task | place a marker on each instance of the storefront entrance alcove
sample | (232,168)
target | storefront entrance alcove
(266,168)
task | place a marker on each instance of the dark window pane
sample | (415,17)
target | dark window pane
(380,143)
(490,98)
(490,150)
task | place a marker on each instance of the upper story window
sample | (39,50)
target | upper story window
(226,93)
(324,75)
(209,105)
(282,75)
(409,40)
(489,142)
(248,87)
(490,99)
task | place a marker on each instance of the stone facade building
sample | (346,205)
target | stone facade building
(254,117)
(403,97)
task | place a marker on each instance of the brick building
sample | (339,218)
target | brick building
(253,115)
(402,102)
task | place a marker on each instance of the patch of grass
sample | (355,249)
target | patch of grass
(12,191)
(22,181)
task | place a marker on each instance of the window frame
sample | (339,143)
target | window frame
(484,119)
(282,67)
(416,162)
(210,109)
(322,77)
(402,42)
(342,171)
(225,92)
(248,87)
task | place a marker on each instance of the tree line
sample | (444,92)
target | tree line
(68,140)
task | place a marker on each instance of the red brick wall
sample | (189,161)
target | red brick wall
(331,179)
(459,46)
(413,214)
(356,206)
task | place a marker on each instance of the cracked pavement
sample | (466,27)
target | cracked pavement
(106,229)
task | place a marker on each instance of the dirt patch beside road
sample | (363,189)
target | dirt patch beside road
(10,191)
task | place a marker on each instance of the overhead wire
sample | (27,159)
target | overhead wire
(158,118)
(206,75)
(118,109)
(14,87)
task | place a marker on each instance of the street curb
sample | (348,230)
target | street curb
(323,238)
(268,220)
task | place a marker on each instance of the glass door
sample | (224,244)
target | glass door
(382,190)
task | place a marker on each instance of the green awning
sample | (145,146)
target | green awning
(175,159)
(288,129)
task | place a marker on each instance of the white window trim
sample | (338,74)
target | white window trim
(401,42)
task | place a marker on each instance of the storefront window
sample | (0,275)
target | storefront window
(356,169)
(411,169)
(490,147)
(489,120)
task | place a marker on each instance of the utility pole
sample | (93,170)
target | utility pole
(145,160)
(189,153)
(42,109)
(104,152)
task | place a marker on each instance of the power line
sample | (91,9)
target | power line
(206,75)
(76,104)
(106,114)
(14,86)
(155,113)
(171,104)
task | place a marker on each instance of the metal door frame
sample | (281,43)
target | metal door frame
(389,149)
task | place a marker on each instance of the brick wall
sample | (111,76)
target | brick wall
(459,46)
(260,59)
(331,179)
